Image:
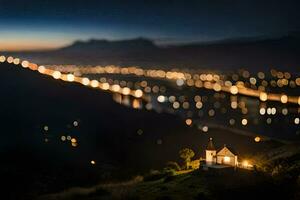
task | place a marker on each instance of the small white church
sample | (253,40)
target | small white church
(224,156)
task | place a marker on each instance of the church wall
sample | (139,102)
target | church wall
(232,161)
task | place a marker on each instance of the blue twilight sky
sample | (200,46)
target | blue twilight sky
(41,24)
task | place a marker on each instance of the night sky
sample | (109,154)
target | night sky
(35,24)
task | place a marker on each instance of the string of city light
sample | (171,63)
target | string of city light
(208,81)
(69,77)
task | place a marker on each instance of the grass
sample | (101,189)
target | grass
(189,186)
(200,185)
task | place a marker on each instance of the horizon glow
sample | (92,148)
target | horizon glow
(32,25)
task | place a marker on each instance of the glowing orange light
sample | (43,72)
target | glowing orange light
(244,122)
(94,83)
(85,81)
(16,61)
(138,93)
(115,88)
(56,74)
(73,140)
(70,77)
(234,89)
(2,59)
(263,96)
(257,139)
(41,69)
(226,159)
(188,122)
(10,59)
(284,99)
(126,91)
(105,86)
(93,162)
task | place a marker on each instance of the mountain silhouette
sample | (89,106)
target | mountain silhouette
(254,54)
(133,45)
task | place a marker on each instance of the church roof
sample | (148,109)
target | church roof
(226,148)
(210,145)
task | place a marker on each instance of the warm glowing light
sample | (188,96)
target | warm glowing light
(94,83)
(245,163)
(56,74)
(85,81)
(10,59)
(252,80)
(244,122)
(205,129)
(138,93)
(176,105)
(199,105)
(257,139)
(269,111)
(25,64)
(226,159)
(262,111)
(188,122)
(74,144)
(16,61)
(93,162)
(136,104)
(297,120)
(234,89)
(2,59)
(273,111)
(255,87)
(73,140)
(217,87)
(70,77)
(41,69)
(284,99)
(263,96)
(161,98)
(115,88)
(126,91)
(105,86)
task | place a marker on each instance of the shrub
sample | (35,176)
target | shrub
(154,175)
(173,165)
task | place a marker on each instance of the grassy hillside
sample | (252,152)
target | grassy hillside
(200,185)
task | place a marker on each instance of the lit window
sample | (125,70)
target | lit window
(226,159)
